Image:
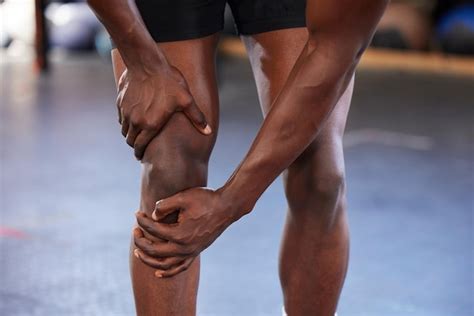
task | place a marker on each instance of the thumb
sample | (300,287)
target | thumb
(165,207)
(197,118)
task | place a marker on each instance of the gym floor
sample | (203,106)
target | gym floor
(69,188)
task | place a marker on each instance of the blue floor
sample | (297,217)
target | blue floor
(69,187)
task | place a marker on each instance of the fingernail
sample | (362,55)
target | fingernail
(207,130)
(153,215)
(135,252)
(159,274)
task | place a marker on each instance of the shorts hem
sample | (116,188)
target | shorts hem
(262,26)
(164,36)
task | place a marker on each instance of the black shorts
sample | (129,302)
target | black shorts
(174,20)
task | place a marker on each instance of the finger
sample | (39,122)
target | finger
(142,141)
(142,242)
(158,263)
(125,125)
(165,207)
(132,134)
(158,250)
(119,115)
(117,103)
(122,80)
(197,118)
(145,244)
(137,233)
(157,229)
(175,270)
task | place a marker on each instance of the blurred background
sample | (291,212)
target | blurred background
(69,183)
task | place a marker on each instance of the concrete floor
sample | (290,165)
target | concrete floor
(69,187)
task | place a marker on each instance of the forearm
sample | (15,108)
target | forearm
(124,24)
(338,34)
(296,117)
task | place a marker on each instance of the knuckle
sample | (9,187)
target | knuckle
(126,112)
(188,249)
(186,100)
(139,243)
(149,124)
(133,123)
(182,239)
(178,240)
(145,225)
(136,121)
(179,198)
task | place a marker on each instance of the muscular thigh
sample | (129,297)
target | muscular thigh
(272,56)
(179,150)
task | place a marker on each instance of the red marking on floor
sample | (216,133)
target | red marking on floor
(11,232)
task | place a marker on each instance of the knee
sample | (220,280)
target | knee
(308,186)
(328,186)
(176,159)
(170,174)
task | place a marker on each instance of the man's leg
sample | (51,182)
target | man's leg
(175,160)
(315,247)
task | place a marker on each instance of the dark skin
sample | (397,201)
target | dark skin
(339,31)
(150,89)
(176,158)
(315,245)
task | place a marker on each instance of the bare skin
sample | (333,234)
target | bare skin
(315,246)
(301,133)
(175,160)
(150,89)
(338,33)
(316,232)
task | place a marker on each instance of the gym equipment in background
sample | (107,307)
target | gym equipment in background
(455,30)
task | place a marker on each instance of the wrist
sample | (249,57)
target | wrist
(236,201)
(140,52)
(144,61)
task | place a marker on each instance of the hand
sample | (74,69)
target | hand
(147,100)
(203,216)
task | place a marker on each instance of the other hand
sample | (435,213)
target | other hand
(203,216)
